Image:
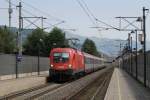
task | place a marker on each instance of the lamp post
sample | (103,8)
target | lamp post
(131,58)
(40,41)
(130,52)
(144,33)
(136,34)
(129,49)
(121,44)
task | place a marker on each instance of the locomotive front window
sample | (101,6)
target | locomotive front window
(65,57)
(61,57)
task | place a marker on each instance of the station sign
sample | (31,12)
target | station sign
(19,57)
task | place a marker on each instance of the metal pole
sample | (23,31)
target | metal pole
(10,12)
(144,32)
(121,55)
(16,69)
(19,40)
(120,48)
(129,48)
(42,18)
(131,59)
(136,54)
(38,59)
(20,28)
(122,61)
(42,22)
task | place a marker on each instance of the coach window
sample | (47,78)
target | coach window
(87,60)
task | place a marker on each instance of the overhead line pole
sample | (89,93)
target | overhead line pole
(10,12)
(42,28)
(20,28)
(136,53)
(19,40)
(131,58)
(144,33)
(42,18)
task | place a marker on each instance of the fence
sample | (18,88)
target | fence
(27,67)
(129,64)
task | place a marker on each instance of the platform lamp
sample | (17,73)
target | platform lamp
(136,49)
(40,42)
(131,56)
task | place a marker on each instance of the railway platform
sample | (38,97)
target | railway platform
(123,87)
(16,85)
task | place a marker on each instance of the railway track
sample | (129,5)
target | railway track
(55,91)
(96,90)
(32,93)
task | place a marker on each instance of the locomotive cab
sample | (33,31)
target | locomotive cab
(60,62)
(68,62)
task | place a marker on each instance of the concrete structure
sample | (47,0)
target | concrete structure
(27,67)
(124,87)
(129,65)
(14,85)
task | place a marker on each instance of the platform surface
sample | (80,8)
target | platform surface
(14,85)
(123,87)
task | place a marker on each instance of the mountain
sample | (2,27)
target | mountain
(25,32)
(110,47)
(103,45)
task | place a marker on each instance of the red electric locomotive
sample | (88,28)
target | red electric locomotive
(66,62)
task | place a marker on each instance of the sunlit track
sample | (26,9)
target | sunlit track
(96,90)
(19,93)
(32,92)
(100,92)
(40,92)
(67,90)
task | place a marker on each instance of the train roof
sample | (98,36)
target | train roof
(62,49)
(73,50)
(92,56)
(65,50)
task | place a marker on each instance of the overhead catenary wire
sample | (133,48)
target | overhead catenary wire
(95,18)
(86,12)
(59,21)
(24,10)
(106,24)
(90,12)
(37,9)
(88,9)
(30,13)
(53,25)
(31,23)
(92,15)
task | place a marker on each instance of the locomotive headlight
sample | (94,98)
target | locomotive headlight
(70,66)
(52,65)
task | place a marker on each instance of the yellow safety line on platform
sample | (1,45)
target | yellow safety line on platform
(118,85)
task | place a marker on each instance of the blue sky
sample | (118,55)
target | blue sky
(73,14)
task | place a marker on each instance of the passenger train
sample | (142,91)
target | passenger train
(68,62)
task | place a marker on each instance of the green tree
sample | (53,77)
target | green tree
(55,39)
(35,43)
(7,41)
(89,47)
